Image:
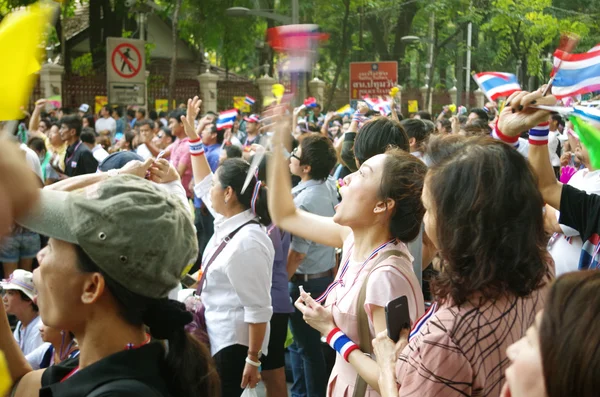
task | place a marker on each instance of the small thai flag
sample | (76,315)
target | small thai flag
(378,104)
(310,102)
(226,119)
(578,73)
(497,84)
(249,100)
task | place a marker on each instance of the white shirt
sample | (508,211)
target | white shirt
(103,124)
(553,147)
(238,283)
(566,252)
(32,160)
(143,151)
(99,153)
(35,357)
(29,338)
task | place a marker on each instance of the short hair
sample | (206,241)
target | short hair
(88,136)
(233,151)
(446,124)
(482,114)
(90,118)
(131,113)
(176,114)
(168,133)
(162,114)
(424,115)
(73,122)
(152,115)
(141,111)
(478,128)
(28,299)
(37,144)
(107,108)
(319,154)
(416,128)
(376,136)
(558,118)
(144,122)
(118,110)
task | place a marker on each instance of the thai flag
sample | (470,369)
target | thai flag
(310,102)
(249,100)
(378,104)
(226,119)
(497,84)
(578,73)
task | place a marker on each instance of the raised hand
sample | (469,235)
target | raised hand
(193,108)
(162,171)
(519,116)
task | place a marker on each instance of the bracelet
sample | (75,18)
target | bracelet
(539,134)
(496,133)
(196,147)
(253,363)
(341,343)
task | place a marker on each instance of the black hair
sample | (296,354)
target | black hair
(129,136)
(141,111)
(162,114)
(168,133)
(482,114)
(153,115)
(118,110)
(558,118)
(232,173)
(233,152)
(188,367)
(370,113)
(446,124)
(107,108)
(319,154)
(131,113)
(73,122)
(90,118)
(37,144)
(28,299)
(417,129)
(424,115)
(144,122)
(478,127)
(176,114)
(376,136)
(88,136)
(47,122)
(66,111)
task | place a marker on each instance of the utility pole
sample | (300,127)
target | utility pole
(468,71)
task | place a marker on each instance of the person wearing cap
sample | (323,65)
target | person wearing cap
(114,268)
(83,109)
(19,293)
(235,278)
(253,135)
(79,159)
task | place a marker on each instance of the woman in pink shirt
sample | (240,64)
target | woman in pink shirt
(484,214)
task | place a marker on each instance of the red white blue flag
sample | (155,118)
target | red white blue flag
(226,119)
(578,73)
(497,84)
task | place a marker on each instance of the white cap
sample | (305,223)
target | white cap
(20,280)
(84,108)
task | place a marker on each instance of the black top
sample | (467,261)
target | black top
(79,160)
(581,211)
(142,364)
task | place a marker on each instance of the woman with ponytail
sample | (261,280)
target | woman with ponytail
(235,276)
(118,245)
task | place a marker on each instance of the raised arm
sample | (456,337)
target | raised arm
(34,121)
(517,117)
(281,204)
(200,166)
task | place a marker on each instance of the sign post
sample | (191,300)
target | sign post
(126,71)
(372,79)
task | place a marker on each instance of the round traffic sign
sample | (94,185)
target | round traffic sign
(126,60)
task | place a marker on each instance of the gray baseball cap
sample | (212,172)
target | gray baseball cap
(138,234)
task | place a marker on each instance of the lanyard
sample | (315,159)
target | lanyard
(68,160)
(129,346)
(345,267)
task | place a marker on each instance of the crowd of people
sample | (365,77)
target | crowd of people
(162,255)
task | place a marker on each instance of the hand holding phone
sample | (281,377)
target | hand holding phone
(397,317)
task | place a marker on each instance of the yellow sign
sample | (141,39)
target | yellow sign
(240,104)
(162,105)
(413,106)
(99,101)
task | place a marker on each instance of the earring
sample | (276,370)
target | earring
(225,201)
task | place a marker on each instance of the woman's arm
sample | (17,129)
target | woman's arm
(34,121)
(281,204)
(200,166)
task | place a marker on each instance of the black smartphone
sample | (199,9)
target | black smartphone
(188,281)
(397,317)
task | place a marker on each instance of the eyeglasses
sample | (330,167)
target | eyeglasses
(294,154)
(160,136)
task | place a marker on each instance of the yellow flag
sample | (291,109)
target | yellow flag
(343,109)
(22,44)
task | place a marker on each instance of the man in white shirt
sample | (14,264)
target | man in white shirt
(566,245)
(146,148)
(89,139)
(106,122)
(18,301)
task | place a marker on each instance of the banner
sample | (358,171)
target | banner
(372,79)
(413,106)
(239,102)
(162,105)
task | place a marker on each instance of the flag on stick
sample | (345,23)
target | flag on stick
(497,84)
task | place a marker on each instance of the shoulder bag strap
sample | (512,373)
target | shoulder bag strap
(221,247)
(364,333)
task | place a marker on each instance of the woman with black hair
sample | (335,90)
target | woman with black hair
(118,244)
(235,276)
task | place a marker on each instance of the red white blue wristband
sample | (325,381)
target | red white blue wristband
(359,118)
(196,147)
(341,343)
(497,134)
(539,134)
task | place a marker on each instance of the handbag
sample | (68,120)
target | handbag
(194,303)
(364,333)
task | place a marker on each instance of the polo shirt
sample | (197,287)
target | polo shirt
(79,160)
(142,364)
(320,198)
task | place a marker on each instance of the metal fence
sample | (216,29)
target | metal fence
(226,90)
